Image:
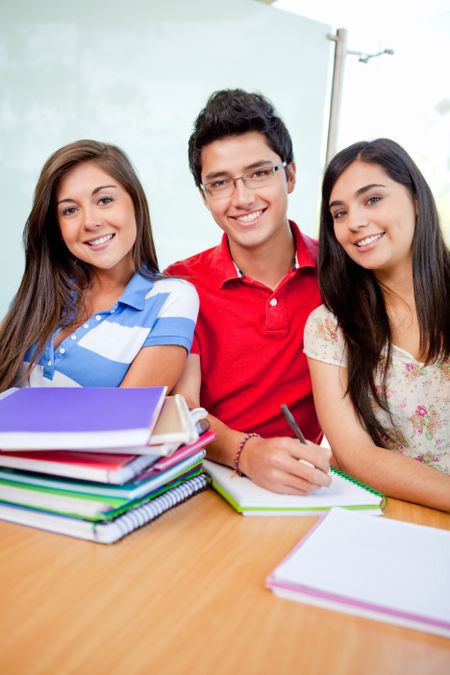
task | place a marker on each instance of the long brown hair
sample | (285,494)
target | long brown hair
(53,281)
(354,295)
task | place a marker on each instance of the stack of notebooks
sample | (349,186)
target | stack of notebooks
(97,463)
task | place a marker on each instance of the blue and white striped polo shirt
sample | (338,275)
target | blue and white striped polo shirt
(100,351)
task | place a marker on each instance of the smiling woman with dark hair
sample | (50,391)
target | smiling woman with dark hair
(379,347)
(92,308)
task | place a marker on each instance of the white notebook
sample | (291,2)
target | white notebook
(378,568)
(253,500)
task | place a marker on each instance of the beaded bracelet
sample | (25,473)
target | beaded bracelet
(237,456)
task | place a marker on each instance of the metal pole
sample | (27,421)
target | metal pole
(340,53)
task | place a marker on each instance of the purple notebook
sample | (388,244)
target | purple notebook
(75,418)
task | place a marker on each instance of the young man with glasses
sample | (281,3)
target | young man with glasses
(256,291)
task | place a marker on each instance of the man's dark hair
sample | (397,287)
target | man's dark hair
(231,112)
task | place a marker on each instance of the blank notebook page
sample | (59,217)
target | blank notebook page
(391,564)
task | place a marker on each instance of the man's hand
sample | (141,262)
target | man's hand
(285,465)
(273,463)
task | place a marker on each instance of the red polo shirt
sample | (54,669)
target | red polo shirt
(250,340)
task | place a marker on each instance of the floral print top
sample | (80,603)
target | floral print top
(418,395)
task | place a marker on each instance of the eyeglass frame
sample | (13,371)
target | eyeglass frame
(274,169)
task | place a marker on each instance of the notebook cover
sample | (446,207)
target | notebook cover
(102,467)
(58,418)
(174,424)
(185,451)
(95,466)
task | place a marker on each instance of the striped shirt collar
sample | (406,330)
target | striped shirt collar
(136,290)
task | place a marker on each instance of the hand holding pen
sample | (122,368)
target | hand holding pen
(296,429)
(283,465)
(293,424)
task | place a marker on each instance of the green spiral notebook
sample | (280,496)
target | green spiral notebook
(253,500)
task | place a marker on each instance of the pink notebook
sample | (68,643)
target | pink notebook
(101,467)
(96,466)
(183,452)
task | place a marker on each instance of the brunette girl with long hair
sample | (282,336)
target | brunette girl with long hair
(379,347)
(92,308)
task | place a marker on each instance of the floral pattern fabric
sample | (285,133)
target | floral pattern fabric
(418,395)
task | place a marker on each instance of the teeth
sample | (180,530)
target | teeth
(369,240)
(249,217)
(100,240)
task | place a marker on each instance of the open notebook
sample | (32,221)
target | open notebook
(374,567)
(253,500)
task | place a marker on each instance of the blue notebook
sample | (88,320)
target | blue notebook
(75,418)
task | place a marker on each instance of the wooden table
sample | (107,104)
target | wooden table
(186,595)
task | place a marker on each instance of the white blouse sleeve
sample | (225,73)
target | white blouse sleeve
(323,339)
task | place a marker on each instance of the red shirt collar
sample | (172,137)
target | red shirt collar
(226,270)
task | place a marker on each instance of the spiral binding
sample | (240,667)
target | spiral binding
(137,466)
(146,513)
(357,482)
